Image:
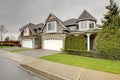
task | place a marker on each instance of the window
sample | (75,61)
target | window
(91,25)
(83,25)
(26,31)
(51,27)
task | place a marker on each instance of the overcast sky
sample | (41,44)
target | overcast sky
(16,13)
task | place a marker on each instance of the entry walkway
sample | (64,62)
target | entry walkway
(57,71)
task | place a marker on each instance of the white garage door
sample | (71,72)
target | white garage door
(27,43)
(53,44)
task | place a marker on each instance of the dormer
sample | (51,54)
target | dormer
(53,25)
(86,21)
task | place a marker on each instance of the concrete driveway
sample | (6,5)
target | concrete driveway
(11,48)
(31,52)
(38,52)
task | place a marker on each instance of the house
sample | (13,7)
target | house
(54,31)
(29,35)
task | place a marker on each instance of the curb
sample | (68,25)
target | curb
(44,73)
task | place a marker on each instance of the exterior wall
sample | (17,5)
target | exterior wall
(30,33)
(59,28)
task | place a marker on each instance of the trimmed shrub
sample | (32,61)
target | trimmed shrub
(79,52)
(108,43)
(75,42)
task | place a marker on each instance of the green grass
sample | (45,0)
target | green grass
(19,50)
(112,66)
(5,46)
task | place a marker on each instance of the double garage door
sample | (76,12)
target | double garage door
(53,44)
(27,43)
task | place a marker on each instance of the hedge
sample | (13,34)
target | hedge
(79,52)
(75,42)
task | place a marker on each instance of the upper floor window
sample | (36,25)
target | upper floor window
(83,25)
(26,31)
(91,25)
(51,27)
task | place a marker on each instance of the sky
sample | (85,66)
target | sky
(14,14)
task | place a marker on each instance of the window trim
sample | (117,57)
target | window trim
(80,25)
(55,27)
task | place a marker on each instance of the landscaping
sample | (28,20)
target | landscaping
(112,66)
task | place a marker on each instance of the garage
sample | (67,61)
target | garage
(53,44)
(27,43)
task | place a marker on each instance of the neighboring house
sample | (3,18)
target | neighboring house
(29,35)
(54,31)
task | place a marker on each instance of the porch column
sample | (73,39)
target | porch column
(88,42)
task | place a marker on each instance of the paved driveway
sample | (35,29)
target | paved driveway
(32,52)
(37,52)
(11,48)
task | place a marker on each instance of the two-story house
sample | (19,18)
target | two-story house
(54,31)
(29,35)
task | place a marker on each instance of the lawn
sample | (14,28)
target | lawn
(19,50)
(112,66)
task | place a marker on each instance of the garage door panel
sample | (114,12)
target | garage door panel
(27,43)
(53,44)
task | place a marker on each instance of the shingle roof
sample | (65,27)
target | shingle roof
(40,25)
(70,22)
(32,27)
(86,16)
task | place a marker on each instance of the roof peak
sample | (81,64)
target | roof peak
(86,16)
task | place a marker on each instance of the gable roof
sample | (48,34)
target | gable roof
(32,26)
(86,16)
(40,25)
(61,23)
(70,22)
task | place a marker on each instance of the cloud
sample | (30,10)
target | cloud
(16,13)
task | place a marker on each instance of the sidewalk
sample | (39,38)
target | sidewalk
(57,71)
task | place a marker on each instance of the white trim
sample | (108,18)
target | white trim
(88,42)
(80,25)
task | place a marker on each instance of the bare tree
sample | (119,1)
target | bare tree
(3,30)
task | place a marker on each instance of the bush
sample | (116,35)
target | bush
(79,52)
(75,42)
(108,43)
